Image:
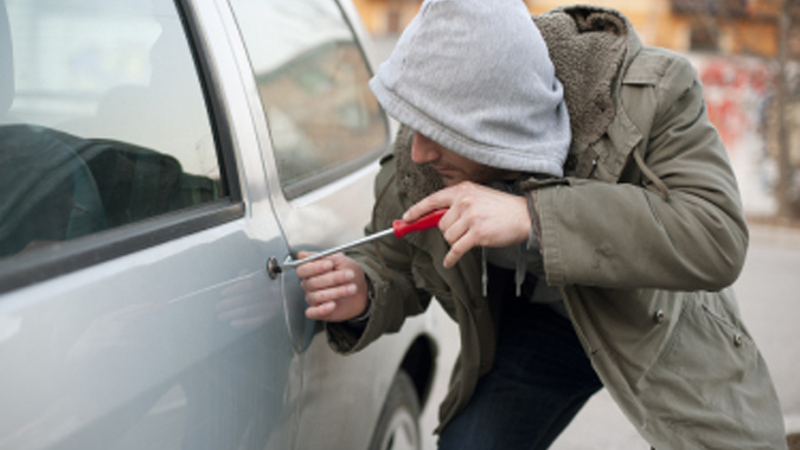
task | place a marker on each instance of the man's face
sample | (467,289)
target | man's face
(453,167)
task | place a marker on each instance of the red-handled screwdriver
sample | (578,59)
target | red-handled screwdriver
(399,228)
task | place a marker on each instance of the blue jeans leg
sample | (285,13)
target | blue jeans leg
(540,380)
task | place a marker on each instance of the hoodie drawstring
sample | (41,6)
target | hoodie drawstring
(658,186)
(520,270)
(484,274)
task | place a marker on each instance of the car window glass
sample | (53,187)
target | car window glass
(312,79)
(102,119)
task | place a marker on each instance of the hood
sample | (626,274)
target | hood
(475,76)
(589,46)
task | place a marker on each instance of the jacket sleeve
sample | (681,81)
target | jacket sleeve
(387,264)
(624,235)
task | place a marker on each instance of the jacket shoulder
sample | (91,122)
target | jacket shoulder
(653,82)
(659,67)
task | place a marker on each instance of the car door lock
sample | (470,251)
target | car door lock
(273,268)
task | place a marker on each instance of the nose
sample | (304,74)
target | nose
(424,150)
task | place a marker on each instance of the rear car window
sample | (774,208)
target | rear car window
(103,120)
(312,80)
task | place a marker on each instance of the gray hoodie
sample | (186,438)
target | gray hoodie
(475,76)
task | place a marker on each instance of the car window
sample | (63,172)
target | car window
(103,121)
(312,80)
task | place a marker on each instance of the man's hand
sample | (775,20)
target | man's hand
(335,286)
(477,215)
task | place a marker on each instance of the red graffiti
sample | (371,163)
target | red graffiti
(731,85)
(729,119)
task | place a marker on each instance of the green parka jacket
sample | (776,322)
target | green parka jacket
(644,235)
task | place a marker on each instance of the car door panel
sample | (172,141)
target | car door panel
(108,357)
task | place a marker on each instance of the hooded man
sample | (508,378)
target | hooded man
(579,252)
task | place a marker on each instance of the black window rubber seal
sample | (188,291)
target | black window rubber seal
(214,100)
(39,265)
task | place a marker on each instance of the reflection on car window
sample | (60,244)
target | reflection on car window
(102,119)
(312,79)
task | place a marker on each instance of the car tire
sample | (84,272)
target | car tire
(398,423)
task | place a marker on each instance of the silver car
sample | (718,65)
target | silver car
(159,159)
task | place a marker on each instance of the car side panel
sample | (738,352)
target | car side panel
(179,346)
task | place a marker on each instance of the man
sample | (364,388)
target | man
(615,274)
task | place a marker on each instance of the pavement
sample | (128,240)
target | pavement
(767,291)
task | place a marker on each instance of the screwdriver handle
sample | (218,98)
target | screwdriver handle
(429,220)
(399,228)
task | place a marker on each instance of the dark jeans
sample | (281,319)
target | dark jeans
(540,380)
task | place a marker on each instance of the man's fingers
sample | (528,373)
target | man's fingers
(328,279)
(454,231)
(335,287)
(331,294)
(320,312)
(314,268)
(458,249)
(440,199)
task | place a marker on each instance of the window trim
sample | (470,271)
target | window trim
(39,265)
(215,102)
(65,257)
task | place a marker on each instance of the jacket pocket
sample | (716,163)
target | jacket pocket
(707,373)
(709,352)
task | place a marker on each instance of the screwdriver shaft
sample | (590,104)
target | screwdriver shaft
(290,263)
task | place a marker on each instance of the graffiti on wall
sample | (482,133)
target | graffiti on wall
(736,92)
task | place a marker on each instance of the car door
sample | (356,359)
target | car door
(321,134)
(136,309)
(320,128)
